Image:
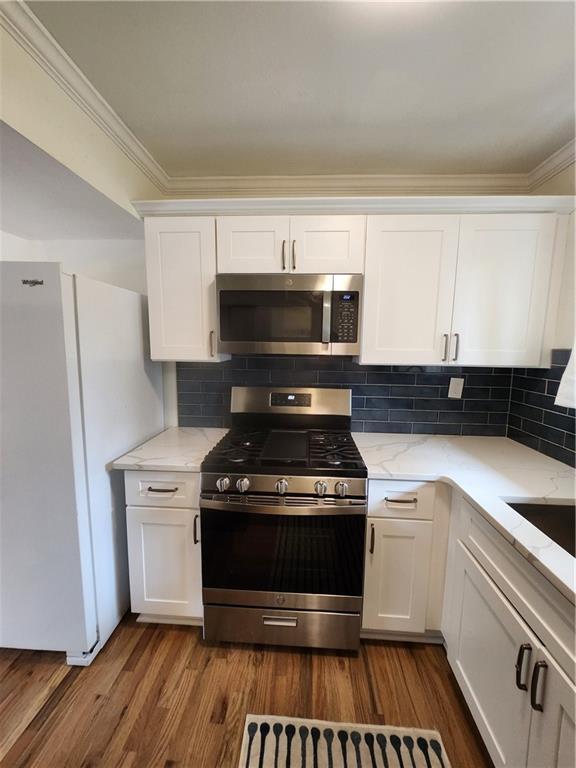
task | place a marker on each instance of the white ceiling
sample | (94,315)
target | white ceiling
(261,88)
(40,199)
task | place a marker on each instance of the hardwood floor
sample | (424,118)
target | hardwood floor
(158,696)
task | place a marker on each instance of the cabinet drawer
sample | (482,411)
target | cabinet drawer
(410,500)
(162,489)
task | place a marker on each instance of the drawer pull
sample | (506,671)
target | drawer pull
(524,648)
(400,501)
(161,490)
(280,621)
(371,538)
(540,665)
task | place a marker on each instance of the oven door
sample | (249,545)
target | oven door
(307,558)
(274,314)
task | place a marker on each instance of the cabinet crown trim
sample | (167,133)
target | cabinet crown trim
(359,205)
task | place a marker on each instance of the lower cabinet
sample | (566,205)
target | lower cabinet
(396,577)
(164,561)
(521,700)
(552,730)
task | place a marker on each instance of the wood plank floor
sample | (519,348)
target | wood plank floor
(158,696)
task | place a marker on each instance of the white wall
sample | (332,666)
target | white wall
(118,262)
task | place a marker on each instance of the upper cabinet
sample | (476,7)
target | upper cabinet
(409,288)
(253,243)
(461,290)
(180,271)
(502,281)
(301,244)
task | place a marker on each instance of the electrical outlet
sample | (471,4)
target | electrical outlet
(455,388)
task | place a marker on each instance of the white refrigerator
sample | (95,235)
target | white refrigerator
(77,389)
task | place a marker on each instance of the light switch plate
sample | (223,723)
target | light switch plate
(455,388)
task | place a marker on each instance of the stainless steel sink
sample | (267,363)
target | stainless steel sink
(558,521)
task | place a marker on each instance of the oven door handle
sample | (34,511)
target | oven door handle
(270,509)
(326,317)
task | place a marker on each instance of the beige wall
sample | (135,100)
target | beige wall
(38,108)
(119,262)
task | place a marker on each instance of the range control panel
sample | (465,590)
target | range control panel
(345,317)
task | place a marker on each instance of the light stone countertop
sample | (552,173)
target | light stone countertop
(486,469)
(177,449)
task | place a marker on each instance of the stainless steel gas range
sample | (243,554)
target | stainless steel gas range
(283,521)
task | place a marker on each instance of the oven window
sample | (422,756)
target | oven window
(283,553)
(271,316)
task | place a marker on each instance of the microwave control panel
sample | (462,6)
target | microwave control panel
(345,317)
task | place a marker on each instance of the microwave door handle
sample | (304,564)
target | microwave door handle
(326,317)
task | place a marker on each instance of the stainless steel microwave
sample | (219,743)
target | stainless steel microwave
(289,314)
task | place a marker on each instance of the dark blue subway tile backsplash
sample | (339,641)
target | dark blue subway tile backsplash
(403,399)
(533,419)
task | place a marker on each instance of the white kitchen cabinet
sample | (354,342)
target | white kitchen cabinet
(327,244)
(458,290)
(483,657)
(181,269)
(552,731)
(164,561)
(258,244)
(299,244)
(409,281)
(495,604)
(396,574)
(502,283)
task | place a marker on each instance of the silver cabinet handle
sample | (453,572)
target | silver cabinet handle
(212,353)
(293,254)
(280,621)
(400,501)
(162,490)
(445,354)
(283,255)
(456,347)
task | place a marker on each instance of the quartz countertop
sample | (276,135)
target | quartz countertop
(486,469)
(177,449)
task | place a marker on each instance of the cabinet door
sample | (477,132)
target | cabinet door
(327,244)
(552,731)
(503,276)
(483,655)
(180,269)
(256,244)
(396,574)
(164,561)
(408,288)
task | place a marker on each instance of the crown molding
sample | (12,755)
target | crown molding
(357,205)
(27,30)
(551,166)
(344,185)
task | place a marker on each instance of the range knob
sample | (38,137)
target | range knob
(320,487)
(223,483)
(281,486)
(242,484)
(341,488)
